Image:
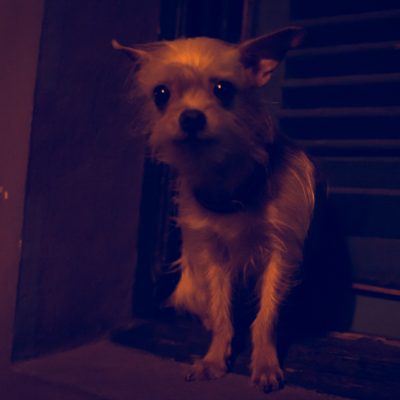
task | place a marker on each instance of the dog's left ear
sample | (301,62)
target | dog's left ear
(136,55)
(263,54)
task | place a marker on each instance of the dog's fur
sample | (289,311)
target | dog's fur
(245,195)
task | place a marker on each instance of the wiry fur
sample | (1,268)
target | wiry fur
(264,238)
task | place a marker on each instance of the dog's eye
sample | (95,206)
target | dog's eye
(225,91)
(161,96)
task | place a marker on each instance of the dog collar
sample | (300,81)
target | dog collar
(247,195)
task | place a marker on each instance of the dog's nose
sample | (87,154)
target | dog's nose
(192,121)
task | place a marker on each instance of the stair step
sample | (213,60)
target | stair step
(341,123)
(342,91)
(366,58)
(369,254)
(348,18)
(343,49)
(359,28)
(352,128)
(366,192)
(376,291)
(351,148)
(342,80)
(364,172)
(341,112)
(301,9)
(367,212)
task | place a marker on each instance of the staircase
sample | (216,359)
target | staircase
(341,101)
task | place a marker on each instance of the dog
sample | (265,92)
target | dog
(245,194)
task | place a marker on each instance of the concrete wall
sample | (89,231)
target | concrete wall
(20,28)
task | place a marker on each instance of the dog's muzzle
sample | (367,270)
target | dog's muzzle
(192,122)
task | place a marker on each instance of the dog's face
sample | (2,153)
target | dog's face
(201,97)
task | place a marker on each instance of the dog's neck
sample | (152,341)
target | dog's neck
(248,194)
(241,186)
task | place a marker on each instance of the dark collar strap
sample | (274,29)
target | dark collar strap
(251,193)
(248,195)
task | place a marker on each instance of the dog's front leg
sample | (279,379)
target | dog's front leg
(213,365)
(266,372)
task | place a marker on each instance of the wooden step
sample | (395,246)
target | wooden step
(367,212)
(301,9)
(341,112)
(352,123)
(348,93)
(376,291)
(342,80)
(361,172)
(348,148)
(366,58)
(344,49)
(374,261)
(347,18)
(369,27)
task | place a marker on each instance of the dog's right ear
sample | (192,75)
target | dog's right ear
(135,55)
(263,54)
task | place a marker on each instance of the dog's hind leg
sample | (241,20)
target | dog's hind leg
(213,365)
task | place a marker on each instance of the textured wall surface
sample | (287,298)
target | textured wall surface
(84,180)
(20,27)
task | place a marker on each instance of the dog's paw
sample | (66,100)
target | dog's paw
(268,378)
(204,370)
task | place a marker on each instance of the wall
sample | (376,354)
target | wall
(20,28)
(84,182)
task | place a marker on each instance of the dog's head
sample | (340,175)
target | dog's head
(202,103)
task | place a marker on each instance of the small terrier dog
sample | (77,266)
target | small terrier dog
(245,194)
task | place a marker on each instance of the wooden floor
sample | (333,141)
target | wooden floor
(347,365)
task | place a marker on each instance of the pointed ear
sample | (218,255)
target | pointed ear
(263,54)
(134,54)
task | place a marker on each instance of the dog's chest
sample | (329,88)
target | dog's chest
(234,240)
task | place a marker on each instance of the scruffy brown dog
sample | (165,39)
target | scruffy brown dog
(245,195)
